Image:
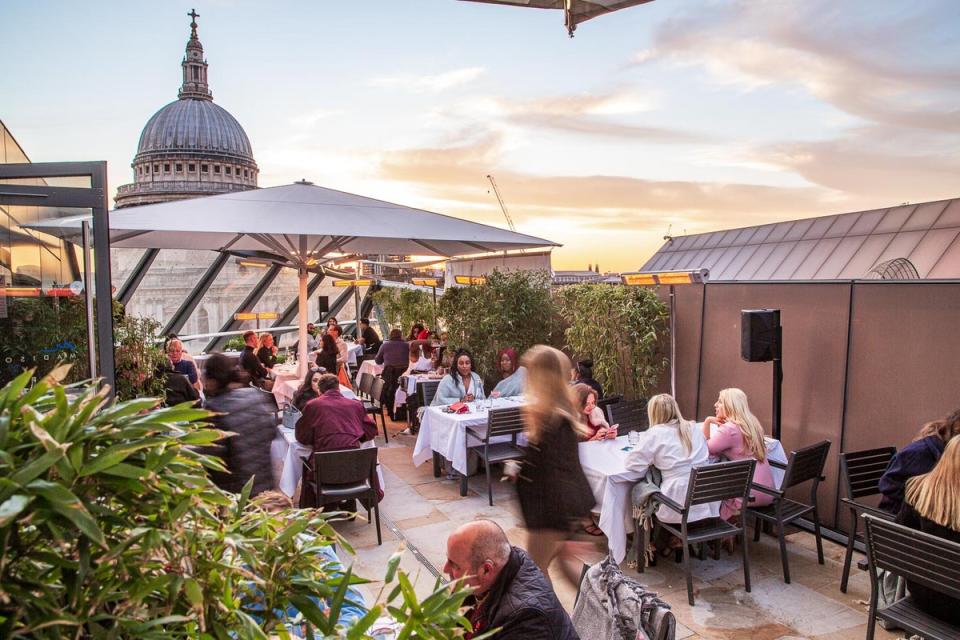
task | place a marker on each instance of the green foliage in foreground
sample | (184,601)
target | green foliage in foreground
(110,528)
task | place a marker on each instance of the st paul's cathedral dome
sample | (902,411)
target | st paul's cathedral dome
(191,147)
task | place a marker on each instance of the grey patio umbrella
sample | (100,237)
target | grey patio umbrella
(300,225)
(574,11)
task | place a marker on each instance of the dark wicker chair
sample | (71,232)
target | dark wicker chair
(918,557)
(347,474)
(805,465)
(500,422)
(631,415)
(860,473)
(711,483)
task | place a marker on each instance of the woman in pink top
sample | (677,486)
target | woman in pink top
(738,436)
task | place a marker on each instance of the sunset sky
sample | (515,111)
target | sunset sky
(689,115)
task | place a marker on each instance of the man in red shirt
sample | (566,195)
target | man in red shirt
(331,422)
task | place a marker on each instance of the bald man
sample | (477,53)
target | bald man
(509,590)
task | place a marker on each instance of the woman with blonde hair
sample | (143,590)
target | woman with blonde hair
(674,446)
(739,436)
(554,494)
(931,504)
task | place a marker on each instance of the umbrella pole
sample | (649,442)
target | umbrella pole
(302,308)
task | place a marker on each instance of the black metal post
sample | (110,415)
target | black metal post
(102,276)
(777,378)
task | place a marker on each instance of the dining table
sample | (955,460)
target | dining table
(286,382)
(604,464)
(443,435)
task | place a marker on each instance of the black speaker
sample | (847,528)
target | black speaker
(759,334)
(323,304)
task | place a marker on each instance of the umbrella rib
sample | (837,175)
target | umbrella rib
(433,250)
(270,241)
(314,250)
(235,240)
(293,248)
(128,236)
(478,246)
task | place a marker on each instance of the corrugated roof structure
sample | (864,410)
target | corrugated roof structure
(897,242)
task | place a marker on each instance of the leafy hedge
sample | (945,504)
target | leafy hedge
(110,528)
(403,307)
(622,329)
(47,332)
(512,309)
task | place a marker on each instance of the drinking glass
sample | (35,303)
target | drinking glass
(633,437)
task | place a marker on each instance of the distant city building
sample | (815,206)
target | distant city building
(575,277)
(191,147)
(904,242)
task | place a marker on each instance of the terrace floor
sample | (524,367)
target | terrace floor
(420,511)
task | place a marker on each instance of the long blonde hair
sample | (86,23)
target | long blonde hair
(737,410)
(548,390)
(936,495)
(663,409)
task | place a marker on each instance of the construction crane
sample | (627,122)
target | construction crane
(503,207)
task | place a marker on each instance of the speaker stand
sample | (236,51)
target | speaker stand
(777,381)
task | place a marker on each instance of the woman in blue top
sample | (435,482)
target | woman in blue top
(514,377)
(463,383)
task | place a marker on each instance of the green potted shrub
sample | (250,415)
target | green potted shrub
(110,528)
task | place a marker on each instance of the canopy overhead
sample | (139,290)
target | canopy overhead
(574,11)
(277,220)
(298,224)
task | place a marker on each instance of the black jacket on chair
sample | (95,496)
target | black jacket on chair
(522,604)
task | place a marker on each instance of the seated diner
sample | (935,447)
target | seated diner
(461,384)
(514,376)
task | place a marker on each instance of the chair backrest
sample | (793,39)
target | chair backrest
(426,390)
(504,422)
(631,415)
(861,470)
(928,560)
(603,403)
(366,383)
(345,466)
(721,481)
(376,391)
(805,464)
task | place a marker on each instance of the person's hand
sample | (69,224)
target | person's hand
(601,434)
(494,394)
(273,349)
(469,398)
(360,341)
(709,420)
(612,433)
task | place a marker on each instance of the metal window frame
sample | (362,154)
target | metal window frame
(129,287)
(189,304)
(249,302)
(95,198)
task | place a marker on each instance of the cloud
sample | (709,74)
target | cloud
(455,174)
(429,83)
(811,46)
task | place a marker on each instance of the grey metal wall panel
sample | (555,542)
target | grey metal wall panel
(815,259)
(866,256)
(833,266)
(931,249)
(924,216)
(894,219)
(793,260)
(868,221)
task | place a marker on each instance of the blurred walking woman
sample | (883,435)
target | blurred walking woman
(554,494)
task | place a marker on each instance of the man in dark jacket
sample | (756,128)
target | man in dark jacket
(510,591)
(251,363)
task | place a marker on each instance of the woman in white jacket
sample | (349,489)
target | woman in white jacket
(463,383)
(674,446)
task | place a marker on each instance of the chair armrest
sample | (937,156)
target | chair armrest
(777,464)
(767,490)
(662,499)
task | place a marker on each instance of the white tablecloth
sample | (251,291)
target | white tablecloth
(445,433)
(368,366)
(353,351)
(287,455)
(603,464)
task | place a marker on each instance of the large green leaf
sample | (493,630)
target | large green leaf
(64,502)
(12,507)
